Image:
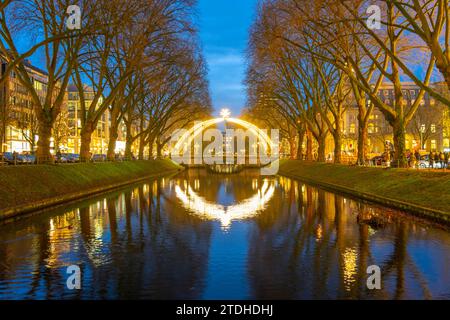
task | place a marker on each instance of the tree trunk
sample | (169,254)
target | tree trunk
(141,147)
(86,138)
(337,136)
(43,154)
(444,69)
(321,151)
(113,136)
(150,149)
(128,153)
(2,141)
(399,129)
(292,149)
(159,147)
(111,155)
(309,146)
(362,142)
(129,143)
(2,137)
(301,139)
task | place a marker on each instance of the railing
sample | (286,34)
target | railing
(225,168)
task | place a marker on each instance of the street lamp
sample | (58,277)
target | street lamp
(225,113)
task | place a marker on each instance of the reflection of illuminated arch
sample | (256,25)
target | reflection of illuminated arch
(187,138)
(226,214)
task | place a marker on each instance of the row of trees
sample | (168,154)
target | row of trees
(139,60)
(311,59)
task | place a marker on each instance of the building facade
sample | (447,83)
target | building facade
(429,130)
(18,122)
(19,125)
(99,142)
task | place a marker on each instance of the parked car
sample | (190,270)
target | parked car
(8,157)
(425,163)
(23,159)
(60,158)
(31,158)
(72,157)
(98,158)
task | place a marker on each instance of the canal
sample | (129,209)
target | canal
(204,236)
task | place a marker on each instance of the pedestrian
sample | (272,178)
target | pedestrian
(446,159)
(436,159)
(412,162)
(442,159)
(417,155)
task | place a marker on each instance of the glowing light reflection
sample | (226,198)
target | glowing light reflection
(225,214)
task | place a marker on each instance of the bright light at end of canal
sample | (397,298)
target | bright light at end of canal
(225,113)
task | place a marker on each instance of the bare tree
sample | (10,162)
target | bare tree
(61,131)
(44,21)
(28,125)
(430,21)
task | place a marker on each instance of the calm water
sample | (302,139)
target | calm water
(199,236)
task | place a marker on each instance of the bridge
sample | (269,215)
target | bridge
(189,149)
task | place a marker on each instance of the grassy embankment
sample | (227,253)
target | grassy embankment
(426,193)
(25,189)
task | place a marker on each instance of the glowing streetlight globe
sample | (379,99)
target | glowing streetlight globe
(225,113)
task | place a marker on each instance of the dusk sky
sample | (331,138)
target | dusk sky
(224,28)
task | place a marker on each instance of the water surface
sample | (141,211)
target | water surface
(203,236)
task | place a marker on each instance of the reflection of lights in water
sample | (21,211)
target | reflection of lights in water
(225,214)
(350,269)
(319,233)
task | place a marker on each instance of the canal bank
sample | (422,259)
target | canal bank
(27,189)
(423,193)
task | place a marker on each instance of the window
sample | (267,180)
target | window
(446,143)
(433,128)
(433,145)
(412,93)
(353,128)
(423,128)
(386,93)
(371,128)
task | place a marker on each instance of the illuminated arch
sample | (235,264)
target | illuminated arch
(189,136)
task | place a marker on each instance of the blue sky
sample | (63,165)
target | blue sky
(224,28)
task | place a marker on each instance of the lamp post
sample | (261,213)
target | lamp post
(225,114)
